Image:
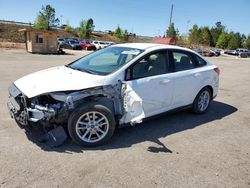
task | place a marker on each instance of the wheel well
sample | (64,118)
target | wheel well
(103,100)
(211,90)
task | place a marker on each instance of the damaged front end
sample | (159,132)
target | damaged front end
(52,110)
(55,107)
(42,108)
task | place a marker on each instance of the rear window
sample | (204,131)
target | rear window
(200,62)
(183,61)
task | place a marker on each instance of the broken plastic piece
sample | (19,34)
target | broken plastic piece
(56,137)
(133,107)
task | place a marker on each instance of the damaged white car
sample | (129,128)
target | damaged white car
(116,86)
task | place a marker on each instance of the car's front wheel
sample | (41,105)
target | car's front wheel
(202,101)
(91,125)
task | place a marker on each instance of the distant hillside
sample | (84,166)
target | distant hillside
(9,33)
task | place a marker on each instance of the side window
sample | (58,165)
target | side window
(182,61)
(151,65)
(200,62)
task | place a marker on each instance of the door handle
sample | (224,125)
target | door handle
(197,75)
(164,81)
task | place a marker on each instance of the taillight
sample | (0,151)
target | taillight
(217,70)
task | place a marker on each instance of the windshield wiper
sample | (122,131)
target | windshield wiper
(74,68)
(88,71)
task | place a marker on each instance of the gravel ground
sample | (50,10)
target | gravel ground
(179,150)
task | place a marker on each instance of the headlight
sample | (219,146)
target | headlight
(14,91)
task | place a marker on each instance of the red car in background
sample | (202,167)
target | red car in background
(86,45)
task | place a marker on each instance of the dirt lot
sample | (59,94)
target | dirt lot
(179,150)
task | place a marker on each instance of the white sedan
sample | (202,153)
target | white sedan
(117,86)
(99,44)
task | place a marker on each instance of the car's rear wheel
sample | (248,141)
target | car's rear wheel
(202,101)
(91,125)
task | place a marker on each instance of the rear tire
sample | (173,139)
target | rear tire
(91,125)
(202,101)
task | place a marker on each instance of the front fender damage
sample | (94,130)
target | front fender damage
(125,104)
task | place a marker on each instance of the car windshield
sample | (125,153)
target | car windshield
(105,61)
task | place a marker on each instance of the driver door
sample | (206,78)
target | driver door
(152,84)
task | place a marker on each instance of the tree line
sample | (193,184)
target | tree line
(216,36)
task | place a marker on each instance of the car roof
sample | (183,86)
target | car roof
(145,46)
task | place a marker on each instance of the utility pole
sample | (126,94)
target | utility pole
(170,21)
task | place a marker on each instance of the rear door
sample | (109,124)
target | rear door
(188,77)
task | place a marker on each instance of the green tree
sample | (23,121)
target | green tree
(81,32)
(235,41)
(118,32)
(206,37)
(89,27)
(46,18)
(194,35)
(125,35)
(181,40)
(216,31)
(244,39)
(247,43)
(69,29)
(85,28)
(171,31)
(223,40)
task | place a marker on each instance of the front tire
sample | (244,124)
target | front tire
(202,101)
(91,125)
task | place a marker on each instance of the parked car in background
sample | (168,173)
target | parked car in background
(215,52)
(117,86)
(71,44)
(207,53)
(74,39)
(244,53)
(197,51)
(110,43)
(230,52)
(99,44)
(60,41)
(86,45)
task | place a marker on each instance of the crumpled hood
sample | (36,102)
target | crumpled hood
(57,79)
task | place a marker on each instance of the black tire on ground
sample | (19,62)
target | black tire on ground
(196,107)
(79,112)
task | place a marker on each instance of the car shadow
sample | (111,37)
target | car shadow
(151,130)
